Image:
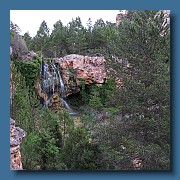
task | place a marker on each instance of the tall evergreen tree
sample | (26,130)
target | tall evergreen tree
(41,39)
(58,39)
(76,36)
(145,97)
(27,39)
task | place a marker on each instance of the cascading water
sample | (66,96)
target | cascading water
(63,93)
(50,79)
(67,107)
(54,76)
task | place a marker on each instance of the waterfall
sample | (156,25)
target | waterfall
(63,93)
(67,106)
(54,76)
(51,77)
(46,67)
(46,103)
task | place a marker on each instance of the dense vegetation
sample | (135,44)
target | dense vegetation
(119,124)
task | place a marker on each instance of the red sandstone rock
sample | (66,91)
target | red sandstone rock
(90,69)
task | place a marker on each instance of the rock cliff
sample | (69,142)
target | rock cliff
(75,68)
(16,136)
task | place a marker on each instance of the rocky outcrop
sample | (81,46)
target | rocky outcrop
(65,75)
(56,103)
(16,136)
(29,56)
(75,68)
(40,92)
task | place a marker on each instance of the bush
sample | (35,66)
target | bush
(30,70)
(78,153)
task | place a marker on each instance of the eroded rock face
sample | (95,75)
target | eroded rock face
(16,136)
(29,56)
(56,103)
(75,68)
(40,92)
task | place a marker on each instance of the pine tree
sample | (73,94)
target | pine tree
(146,94)
(76,36)
(27,39)
(58,39)
(41,39)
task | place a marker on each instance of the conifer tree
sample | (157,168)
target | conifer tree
(145,97)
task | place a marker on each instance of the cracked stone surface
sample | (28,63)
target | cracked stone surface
(16,136)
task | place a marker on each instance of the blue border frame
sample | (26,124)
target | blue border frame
(7,5)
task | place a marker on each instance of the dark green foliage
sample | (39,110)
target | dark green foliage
(71,39)
(27,39)
(146,93)
(58,39)
(30,70)
(98,96)
(78,153)
(84,94)
(138,115)
(76,36)
(52,142)
(95,100)
(20,101)
(29,149)
(119,124)
(50,134)
(41,41)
